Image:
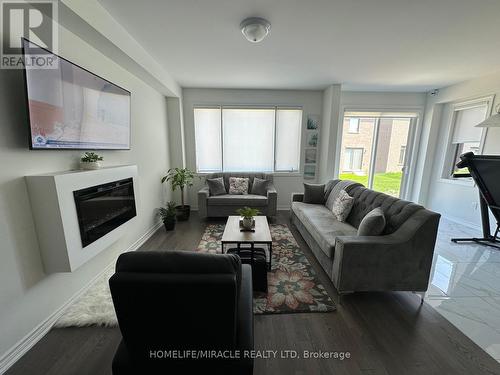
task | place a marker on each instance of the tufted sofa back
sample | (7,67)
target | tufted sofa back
(396,210)
(249,175)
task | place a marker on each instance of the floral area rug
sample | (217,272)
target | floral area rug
(292,282)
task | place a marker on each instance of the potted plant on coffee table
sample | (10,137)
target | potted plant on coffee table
(247,213)
(168,214)
(180,178)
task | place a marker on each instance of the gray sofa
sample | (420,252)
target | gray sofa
(226,205)
(398,260)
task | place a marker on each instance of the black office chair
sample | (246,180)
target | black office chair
(175,304)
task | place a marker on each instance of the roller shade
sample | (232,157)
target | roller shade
(248,140)
(288,130)
(465,121)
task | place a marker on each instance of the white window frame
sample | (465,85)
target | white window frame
(275,108)
(352,149)
(402,152)
(451,148)
(350,129)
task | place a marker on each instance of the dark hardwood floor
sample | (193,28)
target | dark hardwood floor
(385,333)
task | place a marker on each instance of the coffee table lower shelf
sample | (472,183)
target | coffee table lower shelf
(252,249)
(256,258)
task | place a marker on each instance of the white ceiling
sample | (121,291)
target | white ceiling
(391,45)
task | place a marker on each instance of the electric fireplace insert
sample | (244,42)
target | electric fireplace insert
(104,208)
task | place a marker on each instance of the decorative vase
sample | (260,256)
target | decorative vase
(247,222)
(89,166)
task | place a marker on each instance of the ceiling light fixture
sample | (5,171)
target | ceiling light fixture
(255,29)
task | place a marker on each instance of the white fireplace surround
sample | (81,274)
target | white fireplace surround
(55,216)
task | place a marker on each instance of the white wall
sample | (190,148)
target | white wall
(310,101)
(382,100)
(27,295)
(456,200)
(93,21)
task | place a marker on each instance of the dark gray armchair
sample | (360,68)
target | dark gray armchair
(226,205)
(182,301)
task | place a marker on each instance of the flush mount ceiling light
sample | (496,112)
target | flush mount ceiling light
(255,28)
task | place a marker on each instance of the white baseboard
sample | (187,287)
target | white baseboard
(26,343)
(141,240)
(462,222)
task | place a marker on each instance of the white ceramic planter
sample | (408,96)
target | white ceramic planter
(247,222)
(90,166)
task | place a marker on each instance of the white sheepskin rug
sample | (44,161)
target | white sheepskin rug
(94,307)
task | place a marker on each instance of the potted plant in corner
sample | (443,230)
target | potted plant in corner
(248,214)
(168,214)
(180,178)
(90,161)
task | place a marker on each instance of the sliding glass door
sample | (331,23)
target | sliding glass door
(376,150)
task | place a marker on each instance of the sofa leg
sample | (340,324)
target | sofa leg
(421,295)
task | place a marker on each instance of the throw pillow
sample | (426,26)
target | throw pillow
(216,186)
(335,191)
(259,186)
(238,186)
(373,223)
(314,193)
(342,206)
(329,187)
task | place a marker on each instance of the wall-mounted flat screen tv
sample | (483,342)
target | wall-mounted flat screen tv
(72,108)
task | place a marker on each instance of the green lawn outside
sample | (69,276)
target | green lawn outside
(388,183)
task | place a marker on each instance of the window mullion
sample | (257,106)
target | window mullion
(275,138)
(221,140)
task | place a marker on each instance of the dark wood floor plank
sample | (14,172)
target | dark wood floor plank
(386,333)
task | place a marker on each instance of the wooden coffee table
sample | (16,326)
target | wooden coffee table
(262,234)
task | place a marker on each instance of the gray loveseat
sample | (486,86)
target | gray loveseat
(398,260)
(226,205)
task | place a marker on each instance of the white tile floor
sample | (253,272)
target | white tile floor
(465,286)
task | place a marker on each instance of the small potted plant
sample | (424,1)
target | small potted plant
(247,213)
(90,161)
(180,178)
(168,214)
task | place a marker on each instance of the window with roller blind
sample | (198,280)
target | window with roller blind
(234,139)
(466,136)
(208,139)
